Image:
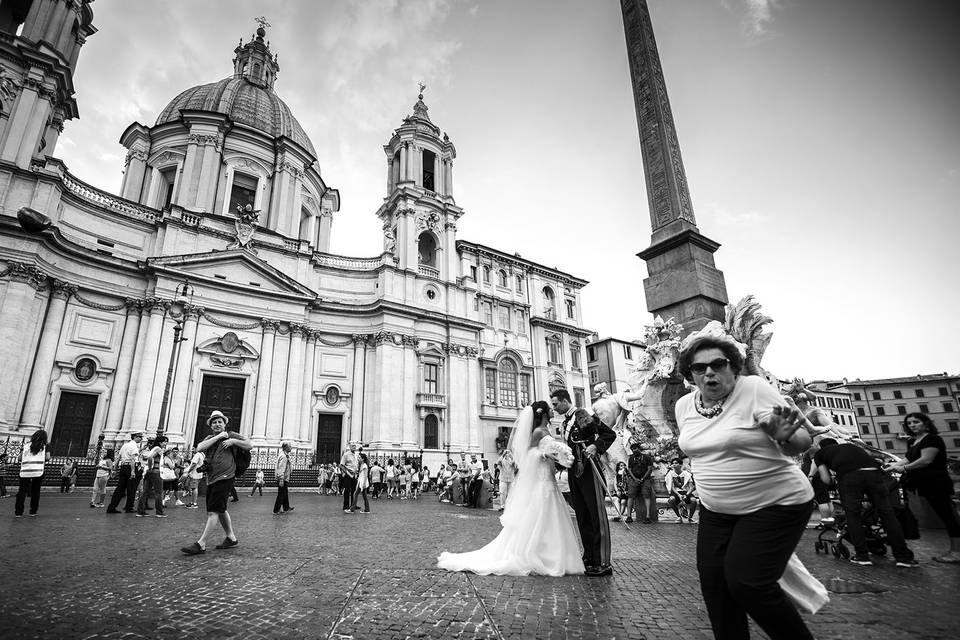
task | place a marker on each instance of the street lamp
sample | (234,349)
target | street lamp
(181,299)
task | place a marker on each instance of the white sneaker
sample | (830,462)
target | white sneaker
(179,503)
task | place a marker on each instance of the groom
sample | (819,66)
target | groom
(587,441)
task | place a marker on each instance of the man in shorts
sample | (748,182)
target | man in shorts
(218,450)
(679,483)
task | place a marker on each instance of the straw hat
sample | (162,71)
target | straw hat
(218,414)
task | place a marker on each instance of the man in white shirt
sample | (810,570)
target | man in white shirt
(126,469)
(508,470)
(679,483)
(476,482)
(349,466)
(283,471)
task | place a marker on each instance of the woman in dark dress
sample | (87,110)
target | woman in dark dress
(926,473)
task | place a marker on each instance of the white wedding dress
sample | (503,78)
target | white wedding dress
(538,536)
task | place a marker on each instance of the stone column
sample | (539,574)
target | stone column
(38,389)
(17,322)
(264,369)
(183,376)
(294,386)
(127,421)
(323,235)
(148,365)
(121,377)
(404,162)
(278,388)
(306,396)
(357,390)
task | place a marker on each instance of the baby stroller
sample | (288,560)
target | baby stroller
(831,538)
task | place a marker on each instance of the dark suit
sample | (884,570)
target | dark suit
(586,492)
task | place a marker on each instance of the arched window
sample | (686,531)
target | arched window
(502,278)
(486,274)
(575,355)
(427,248)
(431,432)
(519,284)
(508,383)
(549,303)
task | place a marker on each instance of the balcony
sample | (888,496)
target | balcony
(429,271)
(432,400)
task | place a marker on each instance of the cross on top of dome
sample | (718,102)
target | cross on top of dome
(253,60)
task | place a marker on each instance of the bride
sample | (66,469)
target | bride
(537,536)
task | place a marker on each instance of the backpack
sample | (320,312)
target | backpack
(241,459)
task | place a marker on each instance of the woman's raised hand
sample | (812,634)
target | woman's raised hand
(780,423)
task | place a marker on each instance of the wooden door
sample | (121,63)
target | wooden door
(73,424)
(219,393)
(329,437)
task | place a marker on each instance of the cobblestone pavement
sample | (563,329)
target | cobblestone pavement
(76,572)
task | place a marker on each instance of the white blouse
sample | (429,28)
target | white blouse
(737,468)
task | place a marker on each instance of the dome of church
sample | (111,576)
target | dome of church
(245,102)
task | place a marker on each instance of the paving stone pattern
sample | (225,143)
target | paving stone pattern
(76,572)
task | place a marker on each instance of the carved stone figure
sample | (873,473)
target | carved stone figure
(245,224)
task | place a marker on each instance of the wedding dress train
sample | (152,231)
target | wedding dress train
(538,536)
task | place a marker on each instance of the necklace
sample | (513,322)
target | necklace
(713,411)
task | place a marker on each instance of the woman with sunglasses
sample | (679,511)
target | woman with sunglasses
(740,434)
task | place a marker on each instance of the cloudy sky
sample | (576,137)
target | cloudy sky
(820,137)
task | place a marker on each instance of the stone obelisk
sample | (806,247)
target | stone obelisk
(683,281)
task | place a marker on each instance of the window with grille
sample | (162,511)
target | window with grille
(504,316)
(490,386)
(487,312)
(430,380)
(524,390)
(553,351)
(508,383)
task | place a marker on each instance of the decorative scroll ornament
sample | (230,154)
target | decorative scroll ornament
(429,221)
(226,324)
(246,225)
(229,363)
(8,86)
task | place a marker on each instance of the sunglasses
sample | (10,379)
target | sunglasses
(717,365)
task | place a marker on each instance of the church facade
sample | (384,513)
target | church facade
(208,283)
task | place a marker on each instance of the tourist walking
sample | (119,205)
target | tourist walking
(33,459)
(103,473)
(152,482)
(257,483)
(740,435)
(283,471)
(68,475)
(349,467)
(219,474)
(640,495)
(363,483)
(126,468)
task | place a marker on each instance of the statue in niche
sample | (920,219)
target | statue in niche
(245,224)
(389,241)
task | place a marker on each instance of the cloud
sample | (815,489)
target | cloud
(757,18)
(722,215)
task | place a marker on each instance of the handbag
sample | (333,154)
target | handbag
(806,592)
(166,473)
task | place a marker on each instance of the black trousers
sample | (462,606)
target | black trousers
(942,504)
(282,503)
(152,488)
(28,486)
(586,498)
(476,489)
(853,486)
(740,559)
(349,486)
(126,487)
(256,487)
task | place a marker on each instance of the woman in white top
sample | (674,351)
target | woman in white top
(740,434)
(363,483)
(32,460)
(391,473)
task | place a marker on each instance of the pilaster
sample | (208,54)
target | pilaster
(121,377)
(264,371)
(38,389)
(294,384)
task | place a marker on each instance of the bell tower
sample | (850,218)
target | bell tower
(40,42)
(419,214)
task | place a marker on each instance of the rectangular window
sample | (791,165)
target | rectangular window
(594,376)
(953,425)
(508,389)
(943,391)
(897,395)
(901,410)
(884,427)
(553,351)
(856,396)
(524,390)
(430,378)
(571,311)
(861,412)
(243,192)
(519,284)
(431,433)
(627,352)
(167,179)
(521,322)
(919,393)
(591,354)
(473,272)
(948,407)
(504,316)
(429,161)
(956,442)
(876,395)
(490,386)
(831,403)
(887,445)
(864,428)
(578,396)
(575,360)
(923,408)
(881,411)
(846,403)
(487,312)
